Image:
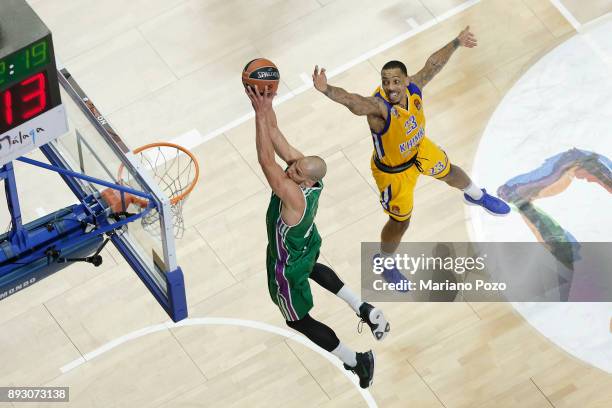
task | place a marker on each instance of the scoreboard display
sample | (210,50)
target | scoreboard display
(31,113)
(24,84)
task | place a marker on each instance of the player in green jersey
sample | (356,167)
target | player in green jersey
(294,242)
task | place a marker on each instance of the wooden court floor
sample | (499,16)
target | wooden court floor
(161,68)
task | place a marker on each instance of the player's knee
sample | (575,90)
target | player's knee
(400,225)
(453,171)
(294,324)
(300,324)
(326,277)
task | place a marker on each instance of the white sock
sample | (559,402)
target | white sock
(386,254)
(346,355)
(473,191)
(350,297)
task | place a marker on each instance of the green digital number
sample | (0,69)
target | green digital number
(36,55)
(39,53)
(2,71)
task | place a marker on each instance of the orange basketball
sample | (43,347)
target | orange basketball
(261,72)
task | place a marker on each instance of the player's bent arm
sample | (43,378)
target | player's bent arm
(357,104)
(282,147)
(290,193)
(435,63)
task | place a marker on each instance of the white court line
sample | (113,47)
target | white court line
(600,52)
(189,139)
(361,58)
(221,321)
(586,35)
(596,21)
(306,78)
(225,128)
(412,22)
(567,14)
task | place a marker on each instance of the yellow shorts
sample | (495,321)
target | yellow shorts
(396,189)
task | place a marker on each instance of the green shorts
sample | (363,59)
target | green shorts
(289,287)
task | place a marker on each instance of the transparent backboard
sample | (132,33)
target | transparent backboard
(93,148)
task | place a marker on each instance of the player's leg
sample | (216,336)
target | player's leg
(392,233)
(290,290)
(458,178)
(396,199)
(434,162)
(323,336)
(372,316)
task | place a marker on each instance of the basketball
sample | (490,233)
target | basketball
(261,72)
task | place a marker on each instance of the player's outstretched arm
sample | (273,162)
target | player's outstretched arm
(288,191)
(357,104)
(282,147)
(438,59)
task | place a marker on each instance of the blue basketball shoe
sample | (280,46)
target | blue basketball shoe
(393,275)
(491,204)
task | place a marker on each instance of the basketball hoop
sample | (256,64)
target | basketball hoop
(175,170)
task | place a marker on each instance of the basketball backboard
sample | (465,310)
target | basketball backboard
(92,147)
(42,106)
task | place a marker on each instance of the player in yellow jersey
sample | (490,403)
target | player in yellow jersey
(402,150)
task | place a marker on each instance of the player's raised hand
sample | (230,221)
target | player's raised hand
(319,79)
(466,38)
(261,102)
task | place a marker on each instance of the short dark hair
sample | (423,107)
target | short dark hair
(395,64)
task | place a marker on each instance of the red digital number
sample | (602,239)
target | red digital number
(8,107)
(23,101)
(38,95)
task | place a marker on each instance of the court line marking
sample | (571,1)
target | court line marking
(586,35)
(305,78)
(597,20)
(189,139)
(567,14)
(412,22)
(221,321)
(342,68)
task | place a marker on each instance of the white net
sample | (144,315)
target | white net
(176,171)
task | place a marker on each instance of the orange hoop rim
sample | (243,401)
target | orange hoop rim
(183,195)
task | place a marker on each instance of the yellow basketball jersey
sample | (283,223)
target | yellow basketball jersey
(404,129)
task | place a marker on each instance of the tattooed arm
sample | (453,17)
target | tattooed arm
(438,59)
(357,104)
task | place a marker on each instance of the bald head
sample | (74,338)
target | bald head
(314,167)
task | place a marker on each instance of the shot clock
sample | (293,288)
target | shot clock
(25,62)
(24,84)
(31,113)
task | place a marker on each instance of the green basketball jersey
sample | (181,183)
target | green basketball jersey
(302,241)
(291,255)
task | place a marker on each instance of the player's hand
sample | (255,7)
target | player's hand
(261,102)
(466,38)
(319,79)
